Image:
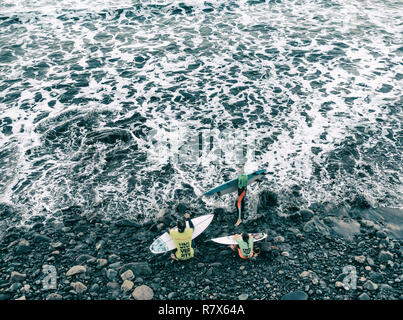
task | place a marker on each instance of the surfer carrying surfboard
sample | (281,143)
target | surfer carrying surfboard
(240,201)
(183,239)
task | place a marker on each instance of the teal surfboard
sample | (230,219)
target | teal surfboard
(232,185)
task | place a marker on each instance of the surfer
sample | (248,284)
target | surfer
(240,201)
(183,239)
(245,245)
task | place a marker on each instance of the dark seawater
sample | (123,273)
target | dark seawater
(126,107)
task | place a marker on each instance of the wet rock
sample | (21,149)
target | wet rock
(243,296)
(14,287)
(111,274)
(369,285)
(364,296)
(127,223)
(40,239)
(376,277)
(181,208)
(367,223)
(143,292)
(266,247)
(127,275)
(267,199)
(306,214)
(17,277)
(76,270)
(4,297)
(79,287)
(56,245)
(309,274)
(108,136)
(127,285)
(370,261)
(113,258)
(115,265)
(360,201)
(94,287)
(385,256)
(295,295)
(54,296)
(23,247)
(101,263)
(316,225)
(112,285)
(381,234)
(85,258)
(138,268)
(360,259)
(278,239)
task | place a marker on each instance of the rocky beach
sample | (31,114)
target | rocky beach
(307,255)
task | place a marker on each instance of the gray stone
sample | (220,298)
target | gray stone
(143,292)
(364,296)
(40,238)
(17,277)
(243,296)
(23,247)
(376,277)
(76,270)
(295,295)
(115,265)
(316,225)
(112,285)
(57,245)
(360,259)
(101,262)
(85,258)
(113,258)
(369,285)
(4,297)
(54,296)
(94,287)
(385,256)
(278,239)
(111,274)
(306,214)
(370,261)
(138,268)
(127,285)
(79,287)
(127,275)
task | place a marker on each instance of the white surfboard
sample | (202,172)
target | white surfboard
(229,240)
(165,243)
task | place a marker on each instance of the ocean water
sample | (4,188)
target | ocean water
(127,107)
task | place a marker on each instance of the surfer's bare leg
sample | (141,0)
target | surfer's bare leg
(240,205)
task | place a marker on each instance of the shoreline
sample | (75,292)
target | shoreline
(93,259)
